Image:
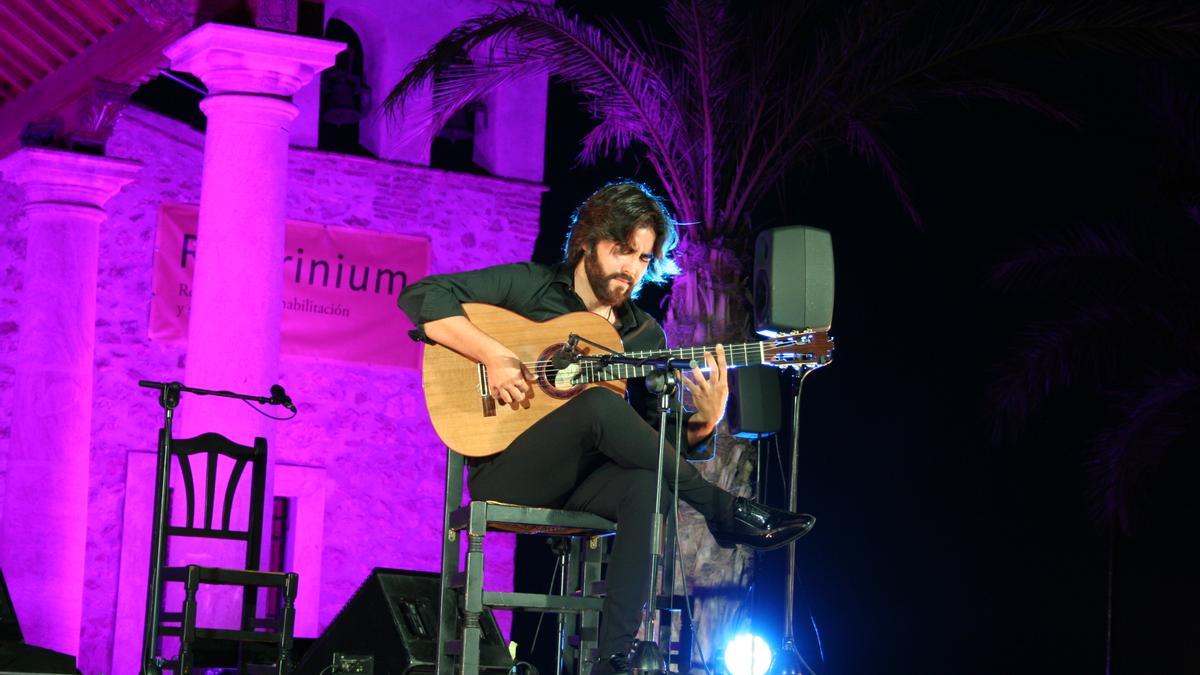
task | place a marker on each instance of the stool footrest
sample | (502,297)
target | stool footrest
(537,601)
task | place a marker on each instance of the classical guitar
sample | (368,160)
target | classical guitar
(472,423)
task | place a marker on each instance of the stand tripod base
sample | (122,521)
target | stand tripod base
(788,662)
(645,658)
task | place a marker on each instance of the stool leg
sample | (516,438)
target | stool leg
(473,593)
(449,598)
(447,601)
(589,621)
(568,622)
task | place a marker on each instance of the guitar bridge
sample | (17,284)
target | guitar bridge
(485,396)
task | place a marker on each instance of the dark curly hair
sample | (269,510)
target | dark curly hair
(614,213)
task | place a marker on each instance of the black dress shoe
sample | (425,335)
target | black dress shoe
(612,664)
(761,527)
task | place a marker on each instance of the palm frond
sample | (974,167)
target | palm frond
(868,63)
(1168,29)
(1082,350)
(975,30)
(706,79)
(614,75)
(608,138)
(972,89)
(1132,453)
(866,143)
(1061,260)
(1173,106)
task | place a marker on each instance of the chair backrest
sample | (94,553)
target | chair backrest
(201,518)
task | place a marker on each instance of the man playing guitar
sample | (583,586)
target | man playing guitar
(596,452)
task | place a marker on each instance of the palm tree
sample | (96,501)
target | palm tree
(739,94)
(1120,334)
(1119,326)
(1117,332)
(730,103)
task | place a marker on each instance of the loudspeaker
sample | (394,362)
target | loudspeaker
(10,628)
(18,657)
(393,617)
(793,280)
(754,402)
(21,658)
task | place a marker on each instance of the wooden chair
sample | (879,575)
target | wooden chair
(462,589)
(276,632)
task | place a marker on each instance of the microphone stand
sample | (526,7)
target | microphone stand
(790,660)
(646,656)
(168,398)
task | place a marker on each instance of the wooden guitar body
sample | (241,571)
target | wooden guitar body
(464,414)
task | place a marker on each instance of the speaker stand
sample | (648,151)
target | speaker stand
(790,660)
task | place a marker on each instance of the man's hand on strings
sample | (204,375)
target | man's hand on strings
(508,379)
(709,394)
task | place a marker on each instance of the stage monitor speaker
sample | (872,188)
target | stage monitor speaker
(18,657)
(29,660)
(754,402)
(393,618)
(793,280)
(10,628)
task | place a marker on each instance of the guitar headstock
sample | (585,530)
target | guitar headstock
(807,349)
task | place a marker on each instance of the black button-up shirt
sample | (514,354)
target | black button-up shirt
(539,293)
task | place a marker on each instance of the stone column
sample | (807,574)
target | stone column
(237,287)
(46,500)
(236,303)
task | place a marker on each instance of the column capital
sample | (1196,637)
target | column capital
(57,176)
(232,59)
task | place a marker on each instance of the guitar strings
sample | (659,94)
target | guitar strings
(730,350)
(593,371)
(634,355)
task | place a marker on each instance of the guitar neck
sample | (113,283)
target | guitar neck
(745,354)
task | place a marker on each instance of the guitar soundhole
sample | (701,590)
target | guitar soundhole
(557,383)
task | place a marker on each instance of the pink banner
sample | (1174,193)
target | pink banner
(339,288)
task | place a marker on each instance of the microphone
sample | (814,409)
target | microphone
(566,354)
(280,397)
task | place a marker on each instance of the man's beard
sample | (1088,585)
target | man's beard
(600,283)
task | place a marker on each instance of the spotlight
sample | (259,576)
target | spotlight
(747,654)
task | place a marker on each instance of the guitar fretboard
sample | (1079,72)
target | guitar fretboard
(744,354)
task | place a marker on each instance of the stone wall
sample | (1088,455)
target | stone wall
(362,430)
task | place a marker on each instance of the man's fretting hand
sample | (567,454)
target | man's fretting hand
(709,394)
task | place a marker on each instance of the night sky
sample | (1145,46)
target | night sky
(941,547)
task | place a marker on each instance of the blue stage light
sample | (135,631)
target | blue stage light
(747,654)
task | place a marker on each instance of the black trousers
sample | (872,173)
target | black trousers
(596,454)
